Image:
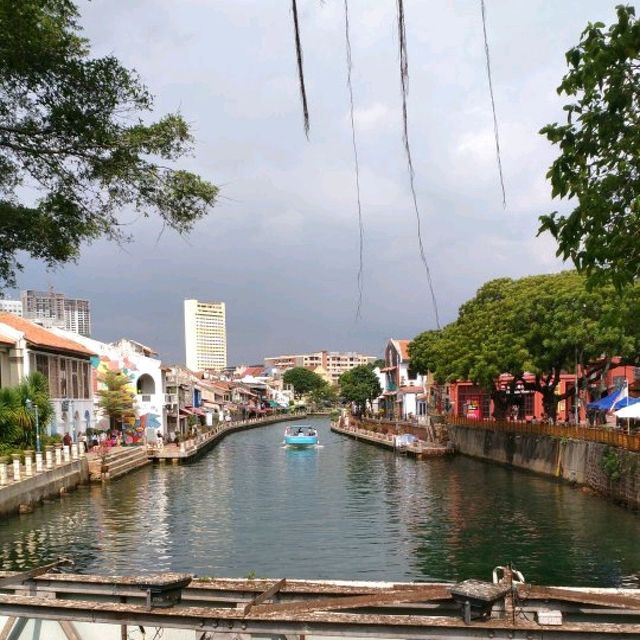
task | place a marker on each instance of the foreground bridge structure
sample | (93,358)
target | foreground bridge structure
(42,604)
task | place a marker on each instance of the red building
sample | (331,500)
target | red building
(471,401)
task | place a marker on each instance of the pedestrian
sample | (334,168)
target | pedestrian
(66,439)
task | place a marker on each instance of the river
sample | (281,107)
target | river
(344,510)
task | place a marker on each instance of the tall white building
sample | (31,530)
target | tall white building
(205,334)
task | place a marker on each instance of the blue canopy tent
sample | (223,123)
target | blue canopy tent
(606,403)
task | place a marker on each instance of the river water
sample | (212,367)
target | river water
(344,510)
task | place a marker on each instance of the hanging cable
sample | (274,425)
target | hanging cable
(404,84)
(303,92)
(483,11)
(355,160)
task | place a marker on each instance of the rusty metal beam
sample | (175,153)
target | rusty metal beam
(612,600)
(6,629)
(354,602)
(265,595)
(69,630)
(18,578)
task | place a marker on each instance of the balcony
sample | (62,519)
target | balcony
(170,398)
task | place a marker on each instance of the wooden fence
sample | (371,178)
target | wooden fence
(612,436)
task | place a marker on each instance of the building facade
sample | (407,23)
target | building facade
(26,347)
(11,306)
(334,363)
(144,370)
(205,333)
(50,309)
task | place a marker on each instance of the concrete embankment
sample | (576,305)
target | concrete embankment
(610,471)
(420,449)
(194,447)
(26,493)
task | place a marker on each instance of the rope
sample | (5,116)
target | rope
(404,85)
(483,11)
(303,92)
(355,160)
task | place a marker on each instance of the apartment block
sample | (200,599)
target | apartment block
(51,309)
(205,334)
(335,363)
(11,306)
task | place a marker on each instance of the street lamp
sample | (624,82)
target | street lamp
(32,405)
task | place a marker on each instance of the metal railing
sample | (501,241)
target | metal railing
(611,436)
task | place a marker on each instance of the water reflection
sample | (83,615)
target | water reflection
(345,510)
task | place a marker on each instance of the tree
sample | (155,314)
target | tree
(74,150)
(540,325)
(324,396)
(360,386)
(303,380)
(116,399)
(17,421)
(599,161)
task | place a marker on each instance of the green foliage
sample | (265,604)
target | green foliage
(17,422)
(611,463)
(324,396)
(599,164)
(116,399)
(359,386)
(303,380)
(538,325)
(71,127)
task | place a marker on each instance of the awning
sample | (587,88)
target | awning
(605,404)
(186,412)
(198,412)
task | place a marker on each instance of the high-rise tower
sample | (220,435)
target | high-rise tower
(205,335)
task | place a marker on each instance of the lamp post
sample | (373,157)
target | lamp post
(32,405)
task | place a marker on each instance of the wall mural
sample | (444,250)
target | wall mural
(103,363)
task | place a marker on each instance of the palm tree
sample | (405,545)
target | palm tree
(17,423)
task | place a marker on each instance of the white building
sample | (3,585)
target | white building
(205,334)
(403,394)
(11,306)
(26,347)
(141,365)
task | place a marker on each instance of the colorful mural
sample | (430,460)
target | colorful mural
(100,364)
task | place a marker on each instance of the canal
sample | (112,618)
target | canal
(345,510)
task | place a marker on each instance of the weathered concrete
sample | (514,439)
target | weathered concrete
(610,471)
(31,491)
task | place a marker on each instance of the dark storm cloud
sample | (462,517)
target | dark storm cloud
(281,247)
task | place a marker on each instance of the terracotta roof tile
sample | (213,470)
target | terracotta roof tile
(40,337)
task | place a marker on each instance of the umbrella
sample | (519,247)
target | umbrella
(632,411)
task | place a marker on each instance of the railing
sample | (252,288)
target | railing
(611,436)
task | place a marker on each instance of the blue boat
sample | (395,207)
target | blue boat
(300,436)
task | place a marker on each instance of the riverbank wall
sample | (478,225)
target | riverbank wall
(25,494)
(612,472)
(193,448)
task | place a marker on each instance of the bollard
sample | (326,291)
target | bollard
(74,451)
(66,454)
(48,454)
(182,447)
(38,462)
(3,474)
(28,464)
(81,451)
(58,458)
(16,466)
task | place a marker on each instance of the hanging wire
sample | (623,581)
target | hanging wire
(355,160)
(303,92)
(483,11)
(404,84)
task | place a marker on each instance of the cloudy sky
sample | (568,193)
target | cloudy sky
(281,246)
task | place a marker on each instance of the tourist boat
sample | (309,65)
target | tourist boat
(300,436)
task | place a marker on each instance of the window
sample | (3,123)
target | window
(86,380)
(75,387)
(63,378)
